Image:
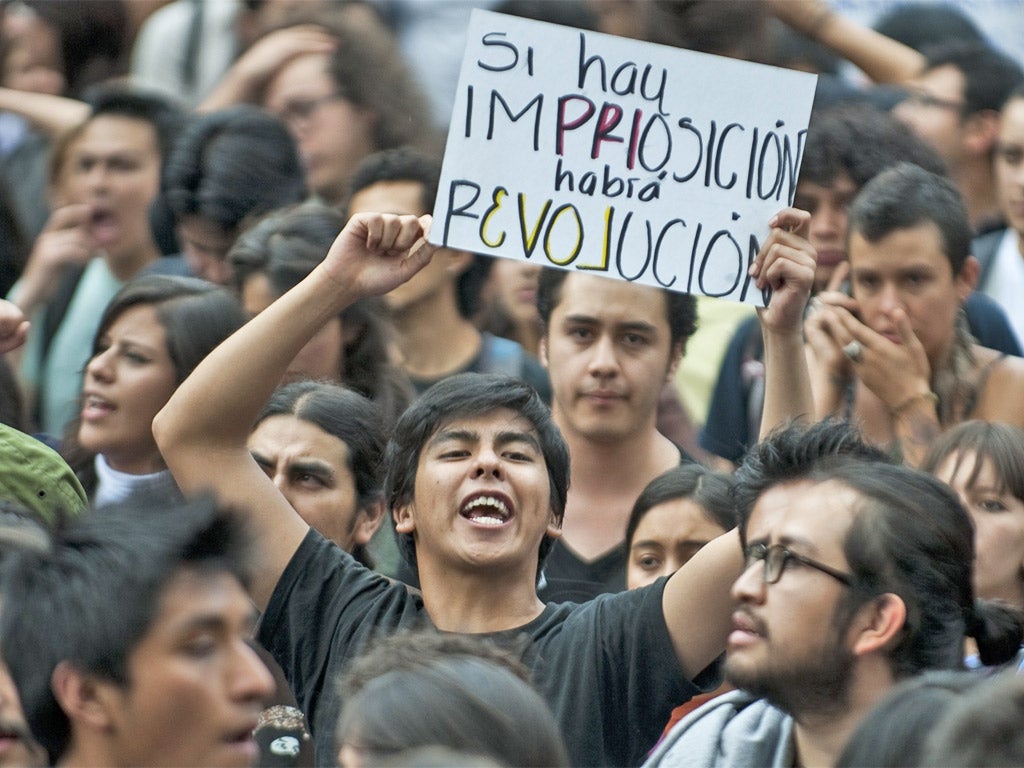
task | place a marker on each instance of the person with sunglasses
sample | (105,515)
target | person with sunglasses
(857,575)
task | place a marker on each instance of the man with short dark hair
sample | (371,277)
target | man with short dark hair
(897,356)
(477,483)
(954,105)
(610,347)
(835,608)
(846,147)
(129,640)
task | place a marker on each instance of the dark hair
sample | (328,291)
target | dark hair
(196,317)
(861,141)
(460,396)
(400,164)
(568,13)
(910,537)
(1002,444)
(920,25)
(906,196)
(92,597)
(93,39)
(12,403)
(737,28)
(233,164)
(489,707)
(989,75)
(711,491)
(680,308)
(286,246)
(894,732)
(14,245)
(351,418)
(369,71)
(982,727)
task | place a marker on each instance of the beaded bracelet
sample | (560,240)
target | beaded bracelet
(899,409)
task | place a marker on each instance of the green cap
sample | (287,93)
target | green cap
(35,476)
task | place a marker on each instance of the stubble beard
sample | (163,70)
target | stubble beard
(818,686)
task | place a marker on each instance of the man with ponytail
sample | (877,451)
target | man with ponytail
(857,575)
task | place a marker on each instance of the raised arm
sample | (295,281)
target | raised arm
(881,58)
(786,265)
(246,80)
(52,114)
(697,600)
(203,429)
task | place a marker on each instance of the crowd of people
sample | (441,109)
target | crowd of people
(284,482)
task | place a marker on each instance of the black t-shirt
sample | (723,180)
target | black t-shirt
(607,668)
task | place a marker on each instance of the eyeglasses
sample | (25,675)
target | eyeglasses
(777,556)
(299,111)
(927,100)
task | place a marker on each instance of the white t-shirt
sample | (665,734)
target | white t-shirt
(1005,282)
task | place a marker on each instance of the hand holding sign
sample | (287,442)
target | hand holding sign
(631,160)
(784,267)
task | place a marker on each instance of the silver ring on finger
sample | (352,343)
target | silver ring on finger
(854,351)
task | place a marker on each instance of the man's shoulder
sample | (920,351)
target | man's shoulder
(732,729)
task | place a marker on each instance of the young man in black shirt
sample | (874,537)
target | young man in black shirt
(478,477)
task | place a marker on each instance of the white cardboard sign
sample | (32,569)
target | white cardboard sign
(641,162)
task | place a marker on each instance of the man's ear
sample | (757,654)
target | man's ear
(403,518)
(967,280)
(368,520)
(981,129)
(542,350)
(878,623)
(84,699)
(675,358)
(459,261)
(554,529)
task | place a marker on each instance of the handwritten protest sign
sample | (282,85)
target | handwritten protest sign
(641,162)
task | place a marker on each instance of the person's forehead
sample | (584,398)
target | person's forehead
(921,242)
(945,81)
(611,300)
(1012,116)
(840,184)
(112,132)
(816,513)
(287,438)
(194,595)
(485,424)
(303,77)
(676,519)
(401,197)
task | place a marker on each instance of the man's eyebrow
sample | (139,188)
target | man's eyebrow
(805,545)
(518,436)
(216,622)
(578,318)
(260,459)
(637,325)
(453,435)
(312,466)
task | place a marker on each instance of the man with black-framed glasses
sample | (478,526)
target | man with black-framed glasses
(954,105)
(857,574)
